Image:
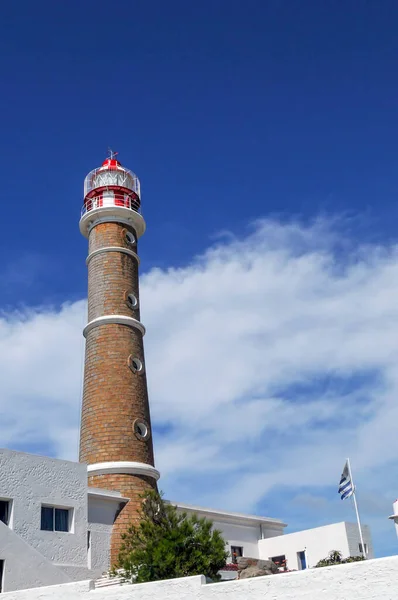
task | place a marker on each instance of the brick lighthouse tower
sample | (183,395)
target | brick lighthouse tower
(115,437)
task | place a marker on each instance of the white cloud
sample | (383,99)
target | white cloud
(41,362)
(270,358)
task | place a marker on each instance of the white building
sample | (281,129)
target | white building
(242,532)
(263,537)
(53,528)
(304,549)
(56,529)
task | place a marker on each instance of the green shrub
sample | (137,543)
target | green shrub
(336,558)
(167,544)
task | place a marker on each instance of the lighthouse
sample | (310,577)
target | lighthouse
(116,434)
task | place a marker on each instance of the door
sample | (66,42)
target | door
(1,574)
(302,560)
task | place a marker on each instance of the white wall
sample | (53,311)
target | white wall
(317,543)
(246,536)
(237,535)
(354,540)
(75,589)
(35,480)
(368,580)
(24,566)
(55,557)
(101,515)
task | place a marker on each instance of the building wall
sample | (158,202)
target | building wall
(368,580)
(31,481)
(101,515)
(75,589)
(354,539)
(245,536)
(238,535)
(239,530)
(51,557)
(24,567)
(317,543)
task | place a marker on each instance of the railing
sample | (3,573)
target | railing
(110,199)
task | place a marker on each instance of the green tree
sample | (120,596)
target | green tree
(336,558)
(166,544)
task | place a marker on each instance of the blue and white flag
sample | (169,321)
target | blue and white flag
(346,489)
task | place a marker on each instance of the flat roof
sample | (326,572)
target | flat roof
(106,494)
(224,515)
(213,513)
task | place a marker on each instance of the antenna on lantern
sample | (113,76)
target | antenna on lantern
(112,154)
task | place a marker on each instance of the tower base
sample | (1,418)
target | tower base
(130,486)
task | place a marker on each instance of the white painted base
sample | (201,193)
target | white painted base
(113,249)
(118,319)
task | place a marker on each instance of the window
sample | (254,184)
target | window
(236,552)
(55,519)
(136,365)
(141,430)
(130,238)
(280,561)
(5,506)
(1,575)
(132,301)
(360,548)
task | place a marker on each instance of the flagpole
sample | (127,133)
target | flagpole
(356,508)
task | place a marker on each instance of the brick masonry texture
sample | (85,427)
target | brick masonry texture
(111,274)
(113,396)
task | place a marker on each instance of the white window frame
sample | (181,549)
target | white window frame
(71,518)
(10,511)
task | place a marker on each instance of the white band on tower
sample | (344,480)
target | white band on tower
(112,249)
(114,319)
(124,467)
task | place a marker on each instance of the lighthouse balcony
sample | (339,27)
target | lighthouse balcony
(111,198)
(110,205)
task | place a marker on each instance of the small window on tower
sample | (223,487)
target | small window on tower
(141,430)
(132,301)
(130,238)
(136,365)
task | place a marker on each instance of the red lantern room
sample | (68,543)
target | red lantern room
(108,189)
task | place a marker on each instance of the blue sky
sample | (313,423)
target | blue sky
(264,135)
